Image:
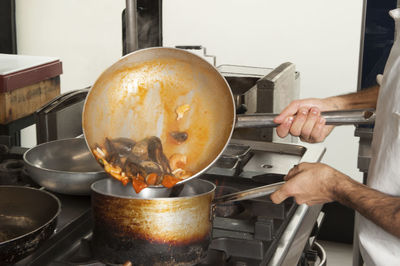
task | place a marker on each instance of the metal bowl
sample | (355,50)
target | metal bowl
(65,166)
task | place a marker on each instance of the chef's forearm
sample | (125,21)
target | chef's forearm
(380,208)
(358,100)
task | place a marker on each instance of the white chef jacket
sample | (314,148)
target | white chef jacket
(377,246)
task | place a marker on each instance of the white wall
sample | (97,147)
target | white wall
(86,35)
(321,37)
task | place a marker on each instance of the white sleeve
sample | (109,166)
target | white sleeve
(379,78)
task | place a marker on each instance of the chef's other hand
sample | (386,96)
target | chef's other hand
(310,183)
(302,118)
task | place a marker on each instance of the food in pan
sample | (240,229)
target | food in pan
(181,110)
(179,137)
(143,163)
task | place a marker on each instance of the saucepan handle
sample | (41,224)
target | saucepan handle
(348,117)
(249,194)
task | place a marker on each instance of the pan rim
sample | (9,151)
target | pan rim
(43,225)
(54,170)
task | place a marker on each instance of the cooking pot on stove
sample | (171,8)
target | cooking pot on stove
(160,230)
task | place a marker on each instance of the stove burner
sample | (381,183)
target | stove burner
(4,150)
(214,257)
(227,209)
(81,257)
(84,256)
(10,171)
(26,179)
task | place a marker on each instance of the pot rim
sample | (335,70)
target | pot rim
(161,190)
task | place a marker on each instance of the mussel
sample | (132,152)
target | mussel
(142,162)
(141,149)
(156,154)
(132,167)
(123,146)
(152,167)
(178,136)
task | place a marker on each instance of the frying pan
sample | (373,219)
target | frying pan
(138,96)
(28,216)
(64,166)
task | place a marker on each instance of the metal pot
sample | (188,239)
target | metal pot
(64,166)
(138,97)
(157,231)
(28,216)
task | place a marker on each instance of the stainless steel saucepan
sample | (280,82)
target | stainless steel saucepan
(159,230)
(140,96)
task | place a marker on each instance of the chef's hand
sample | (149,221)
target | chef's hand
(302,118)
(310,183)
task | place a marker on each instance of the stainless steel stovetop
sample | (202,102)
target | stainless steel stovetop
(252,232)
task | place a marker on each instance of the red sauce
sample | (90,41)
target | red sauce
(170,181)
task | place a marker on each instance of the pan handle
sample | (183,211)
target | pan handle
(348,117)
(249,194)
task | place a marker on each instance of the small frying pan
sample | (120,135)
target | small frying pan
(140,94)
(64,166)
(28,216)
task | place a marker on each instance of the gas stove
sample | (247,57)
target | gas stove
(250,232)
